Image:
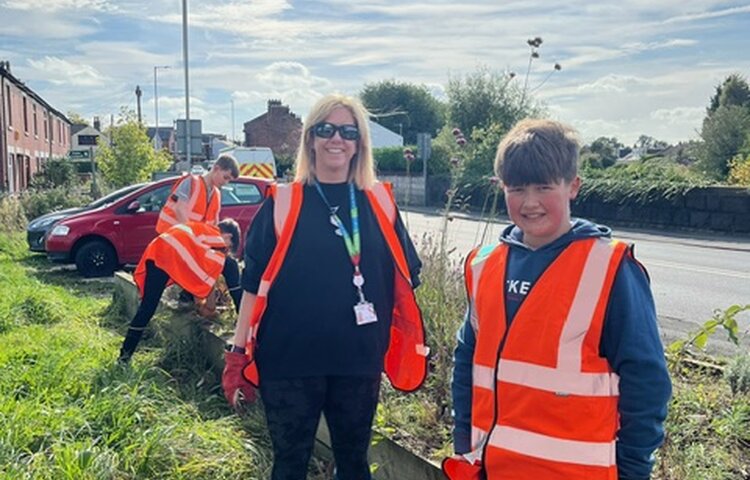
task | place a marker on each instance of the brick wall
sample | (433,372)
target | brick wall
(278,128)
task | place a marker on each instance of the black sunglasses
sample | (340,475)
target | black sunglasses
(328,130)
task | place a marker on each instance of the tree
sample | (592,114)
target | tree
(131,158)
(723,133)
(75,118)
(646,142)
(606,150)
(404,107)
(733,91)
(485,97)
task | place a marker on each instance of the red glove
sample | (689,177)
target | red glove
(235,386)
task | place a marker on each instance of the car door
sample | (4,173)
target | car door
(136,228)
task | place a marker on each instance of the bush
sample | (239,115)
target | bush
(12,218)
(55,173)
(39,202)
(641,182)
(739,171)
(737,375)
(391,160)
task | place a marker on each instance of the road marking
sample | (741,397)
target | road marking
(692,268)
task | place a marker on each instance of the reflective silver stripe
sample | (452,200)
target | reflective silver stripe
(384,199)
(165,217)
(422,350)
(473,318)
(478,438)
(189,260)
(599,454)
(558,380)
(263,288)
(483,377)
(215,257)
(282,203)
(581,311)
(211,240)
(194,191)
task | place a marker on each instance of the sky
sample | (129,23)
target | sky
(629,67)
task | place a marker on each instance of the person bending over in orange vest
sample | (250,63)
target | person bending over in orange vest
(559,371)
(197,198)
(192,255)
(328,300)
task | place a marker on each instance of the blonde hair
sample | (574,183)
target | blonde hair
(538,151)
(362,167)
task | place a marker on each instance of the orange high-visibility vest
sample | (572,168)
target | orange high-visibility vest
(544,402)
(190,253)
(199,209)
(406,358)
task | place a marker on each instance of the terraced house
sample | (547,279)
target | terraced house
(31,132)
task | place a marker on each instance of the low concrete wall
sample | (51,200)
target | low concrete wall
(394,462)
(718,209)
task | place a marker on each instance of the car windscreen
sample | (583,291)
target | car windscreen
(114,196)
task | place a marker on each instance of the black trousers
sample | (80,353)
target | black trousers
(153,287)
(293,408)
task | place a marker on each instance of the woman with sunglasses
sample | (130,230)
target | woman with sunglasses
(328,302)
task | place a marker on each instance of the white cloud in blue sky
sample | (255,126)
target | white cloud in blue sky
(630,67)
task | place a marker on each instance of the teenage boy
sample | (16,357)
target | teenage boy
(559,370)
(198,198)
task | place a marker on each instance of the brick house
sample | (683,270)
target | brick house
(278,128)
(31,131)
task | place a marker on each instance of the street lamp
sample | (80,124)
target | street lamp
(188,153)
(157,139)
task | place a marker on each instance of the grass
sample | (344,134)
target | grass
(68,411)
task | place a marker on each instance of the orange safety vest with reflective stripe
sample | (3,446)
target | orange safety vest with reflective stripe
(199,208)
(406,358)
(544,402)
(189,253)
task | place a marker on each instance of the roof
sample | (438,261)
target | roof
(165,133)
(77,127)
(5,73)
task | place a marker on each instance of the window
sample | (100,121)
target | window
(240,194)
(59,132)
(10,108)
(153,200)
(36,127)
(87,139)
(46,126)
(25,115)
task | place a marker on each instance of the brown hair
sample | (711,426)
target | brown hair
(362,168)
(538,151)
(230,226)
(227,162)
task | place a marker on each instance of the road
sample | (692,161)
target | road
(691,276)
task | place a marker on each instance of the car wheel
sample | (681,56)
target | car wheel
(96,258)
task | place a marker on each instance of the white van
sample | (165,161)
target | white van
(254,161)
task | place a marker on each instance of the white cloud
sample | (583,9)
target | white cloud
(680,115)
(612,83)
(56,5)
(62,72)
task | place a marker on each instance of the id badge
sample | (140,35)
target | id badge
(365,313)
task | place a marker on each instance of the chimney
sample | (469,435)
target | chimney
(5,65)
(97,124)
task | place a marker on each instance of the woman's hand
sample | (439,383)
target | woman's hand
(236,388)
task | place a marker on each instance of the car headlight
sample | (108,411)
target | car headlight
(60,231)
(43,223)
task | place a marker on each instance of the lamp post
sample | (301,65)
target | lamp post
(157,139)
(188,153)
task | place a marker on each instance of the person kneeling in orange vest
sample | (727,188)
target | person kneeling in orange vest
(192,255)
(559,369)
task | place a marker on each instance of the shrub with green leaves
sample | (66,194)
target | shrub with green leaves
(737,374)
(12,216)
(39,202)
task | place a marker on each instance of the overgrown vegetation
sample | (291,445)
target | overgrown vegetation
(67,410)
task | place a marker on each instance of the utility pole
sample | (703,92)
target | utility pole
(138,94)
(188,132)
(233,130)
(157,139)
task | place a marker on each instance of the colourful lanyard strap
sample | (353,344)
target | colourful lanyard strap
(352,241)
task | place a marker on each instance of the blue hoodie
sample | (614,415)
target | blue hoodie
(630,343)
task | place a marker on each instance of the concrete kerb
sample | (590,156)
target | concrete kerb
(393,461)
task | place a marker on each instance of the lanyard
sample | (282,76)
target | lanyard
(352,241)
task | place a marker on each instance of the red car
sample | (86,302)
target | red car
(100,240)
